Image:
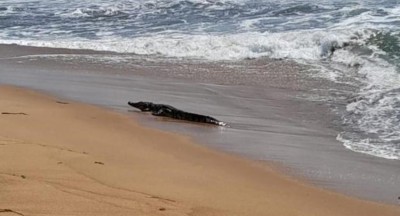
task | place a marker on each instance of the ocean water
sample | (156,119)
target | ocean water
(356,42)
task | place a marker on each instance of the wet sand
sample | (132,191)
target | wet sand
(61,157)
(267,120)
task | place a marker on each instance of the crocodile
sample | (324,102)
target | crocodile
(172,112)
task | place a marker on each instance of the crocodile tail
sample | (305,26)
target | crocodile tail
(205,119)
(196,117)
(214,121)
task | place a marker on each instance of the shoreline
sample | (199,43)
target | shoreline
(112,161)
(267,122)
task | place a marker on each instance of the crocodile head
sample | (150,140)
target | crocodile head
(143,106)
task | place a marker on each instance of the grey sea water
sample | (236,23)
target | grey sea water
(355,43)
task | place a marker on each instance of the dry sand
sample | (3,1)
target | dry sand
(65,158)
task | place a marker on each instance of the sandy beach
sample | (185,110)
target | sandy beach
(308,93)
(64,158)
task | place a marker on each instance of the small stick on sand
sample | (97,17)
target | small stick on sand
(13,113)
(9,210)
(61,102)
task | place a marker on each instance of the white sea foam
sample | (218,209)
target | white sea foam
(374,118)
(76,13)
(296,44)
(371,148)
